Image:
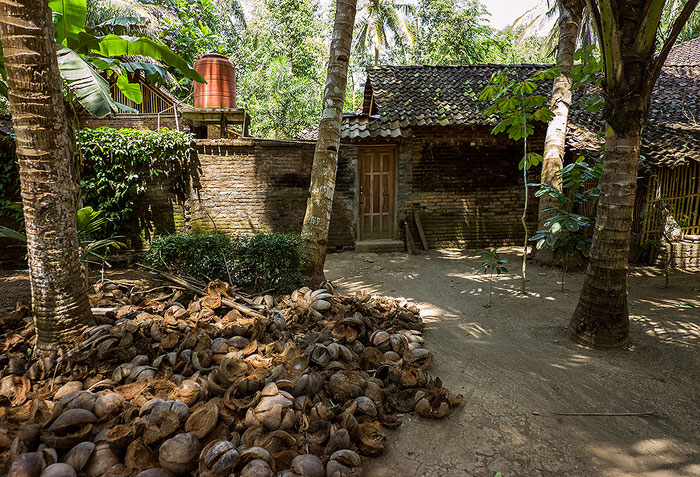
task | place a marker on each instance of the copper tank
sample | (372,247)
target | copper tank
(219,91)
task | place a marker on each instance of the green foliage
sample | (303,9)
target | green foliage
(513,45)
(671,11)
(568,232)
(87,55)
(259,263)
(516,106)
(283,68)
(381,24)
(281,103)
(268,262)
(587,73)
(204,256)
(119,163)
(89,224)
(451,32)
(493,263)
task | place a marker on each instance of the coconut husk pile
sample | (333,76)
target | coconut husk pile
(166,384)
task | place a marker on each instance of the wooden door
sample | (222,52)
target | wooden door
(377,179)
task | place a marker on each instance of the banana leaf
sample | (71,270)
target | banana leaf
(91,89)
(69,18)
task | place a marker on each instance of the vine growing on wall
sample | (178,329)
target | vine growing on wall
(120,163)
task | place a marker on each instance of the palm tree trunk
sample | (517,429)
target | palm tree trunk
(571,13)
(314,234)
(47,174)
(601,318)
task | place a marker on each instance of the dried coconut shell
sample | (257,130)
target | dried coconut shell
(202,420)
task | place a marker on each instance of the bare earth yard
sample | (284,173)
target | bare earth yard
(516,368)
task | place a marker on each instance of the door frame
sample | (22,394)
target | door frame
(358,182)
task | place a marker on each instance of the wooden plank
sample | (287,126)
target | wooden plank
(419,225)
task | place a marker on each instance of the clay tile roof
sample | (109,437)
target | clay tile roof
(399,98)
(435,95)
(685,54)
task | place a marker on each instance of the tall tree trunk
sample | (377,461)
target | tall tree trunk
(601,318)
(570,17)
(314,234)
(627,32)
(47,173)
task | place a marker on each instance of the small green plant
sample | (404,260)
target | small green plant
(516,106)
(264,262)
(493,263)
(89,224)
(568,232)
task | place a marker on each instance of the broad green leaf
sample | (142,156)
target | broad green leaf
(118,24)
(70,18)
(91,89)
(130,90)
(155,74)
(115,45)
(12,234)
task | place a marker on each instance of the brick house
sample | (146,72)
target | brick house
(420,147)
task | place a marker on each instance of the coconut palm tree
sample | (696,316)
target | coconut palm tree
(382,21)
(314,233)
(629,34)
(47,173)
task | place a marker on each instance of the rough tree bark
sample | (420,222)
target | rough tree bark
(570,17)
(314,234)
(627,33)
(47,173)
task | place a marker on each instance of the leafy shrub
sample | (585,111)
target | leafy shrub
(268,262)
(202,256)
(260,263)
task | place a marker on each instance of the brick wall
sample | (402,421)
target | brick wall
(251,186)
(466,185)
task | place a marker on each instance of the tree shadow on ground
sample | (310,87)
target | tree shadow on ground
(518,370)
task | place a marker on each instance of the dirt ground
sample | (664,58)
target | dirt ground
(516,369)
